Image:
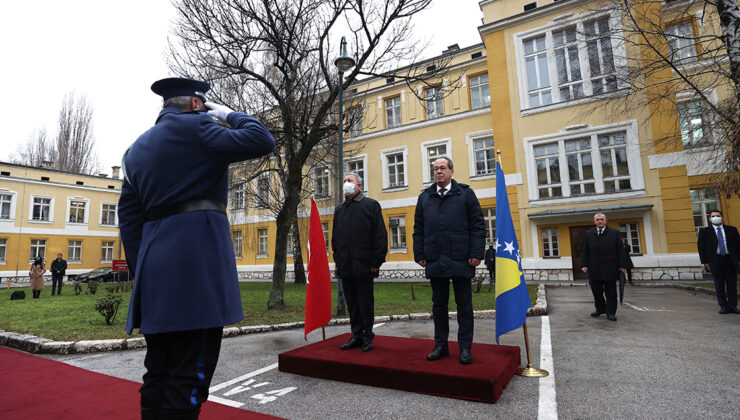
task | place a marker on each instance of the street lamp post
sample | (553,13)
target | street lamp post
(344,62)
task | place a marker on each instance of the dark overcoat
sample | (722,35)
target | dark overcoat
(603,255)
(184,265)
(448,231)
(359,238)
(490,260)
(58,265)
(707,244)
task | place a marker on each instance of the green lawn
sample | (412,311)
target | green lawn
(70,318)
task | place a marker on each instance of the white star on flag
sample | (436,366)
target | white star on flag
(509,247)
(497,244)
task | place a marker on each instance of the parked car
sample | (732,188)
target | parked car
(103,274)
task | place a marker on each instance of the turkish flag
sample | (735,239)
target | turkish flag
(318,288)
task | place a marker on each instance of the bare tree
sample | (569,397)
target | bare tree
(274,58)
(73,149)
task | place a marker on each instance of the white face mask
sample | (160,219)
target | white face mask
(348,188)
(716,220)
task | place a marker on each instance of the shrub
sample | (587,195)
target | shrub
(112,288)
(478,281)
(78,287)
(108,307)
(92,286)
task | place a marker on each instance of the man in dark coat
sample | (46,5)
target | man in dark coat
(603,257)
(449,238)
(58,268)
(719,251)
(360,243)
(176,235)
(490,260)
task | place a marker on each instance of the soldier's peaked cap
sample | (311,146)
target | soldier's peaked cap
(180,86)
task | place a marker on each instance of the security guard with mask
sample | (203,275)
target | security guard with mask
(176,235)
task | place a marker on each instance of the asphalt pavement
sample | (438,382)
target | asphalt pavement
(670,355)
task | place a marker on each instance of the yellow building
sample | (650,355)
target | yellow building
(540,89)
(45,212)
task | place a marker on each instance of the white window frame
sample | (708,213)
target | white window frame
(401,223)
(104,249)
(470,139)
(396,120)
(265,201)
(480,89)
(632,236)
(72,245)
(290,242)
(13,196)
(634,163)
(489,218)
(550,234)
(386,176)
(426,170)
(115,213)
(260,239)
(673,36)
(705,212)
(51,209)
(437,99)
(40,245)
(237,243)
(3,250)
(315,182)
(618,53)
(325,230)
(355,124)
(86,210)
(237,197)
(354,159)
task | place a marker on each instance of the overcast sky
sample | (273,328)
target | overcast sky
(112,52)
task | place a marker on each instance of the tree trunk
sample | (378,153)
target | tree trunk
(300,273)
(729,16)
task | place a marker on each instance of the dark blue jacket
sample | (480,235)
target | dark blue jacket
(184,265)
(448,231)
(359,239)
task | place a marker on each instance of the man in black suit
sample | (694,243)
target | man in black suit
(490,260)
(603,257)
(360,243)
(719,251)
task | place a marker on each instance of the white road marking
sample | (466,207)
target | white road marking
(548,404)
(224,401)
(644,308)
(223,385)
(378,325)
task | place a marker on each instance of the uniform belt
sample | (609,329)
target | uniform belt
(195,205)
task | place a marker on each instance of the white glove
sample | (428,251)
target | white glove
(220,112)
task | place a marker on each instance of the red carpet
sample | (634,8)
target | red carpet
(32,387)
(400,363)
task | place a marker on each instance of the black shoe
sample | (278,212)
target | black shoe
(367,345)
(724,311)
(734,310)
(611,317)
(438,353)
(596,313)
(352,343)
(465,357)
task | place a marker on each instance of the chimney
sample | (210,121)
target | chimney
(453,48)
(47,164)
(116,170)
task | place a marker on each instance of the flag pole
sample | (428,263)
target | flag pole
(529,371)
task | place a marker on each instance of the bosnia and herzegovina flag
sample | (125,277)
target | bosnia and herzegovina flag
(512,297)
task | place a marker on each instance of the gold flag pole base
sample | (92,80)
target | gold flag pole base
(530,371)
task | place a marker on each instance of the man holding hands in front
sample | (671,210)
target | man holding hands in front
(719,251)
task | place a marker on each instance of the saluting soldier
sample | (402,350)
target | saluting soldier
(176,235)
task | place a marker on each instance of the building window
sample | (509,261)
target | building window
(580,168)
(3,249)
(261,242)
(325,229)
(38,249)
(433,153)
(354,121)
(74,251)
(393,112)
(108,214)
(290,242)
(614,166)
(703,203)
(632,235)
(76,211)
(321,182)
(106,251)
(398,232)
(489,217)
(600,56)
(692,118)
(548,170)
(262,192)
(41,209)
(237,196)
(538,75)
(433,102)
(485,161)
(550,247)
(237,242)
(358,166)
(568,65)
(681,42)
(480,96)
(5,201)
(396,172)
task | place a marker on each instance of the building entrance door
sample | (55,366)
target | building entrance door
(576,247)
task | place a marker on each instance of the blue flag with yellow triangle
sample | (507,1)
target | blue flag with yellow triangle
(512,297)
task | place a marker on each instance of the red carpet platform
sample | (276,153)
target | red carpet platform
(400,363)
(32,387)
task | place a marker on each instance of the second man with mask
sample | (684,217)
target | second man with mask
(360,243)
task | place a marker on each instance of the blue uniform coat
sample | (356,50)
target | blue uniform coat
(185,271)
(448,230)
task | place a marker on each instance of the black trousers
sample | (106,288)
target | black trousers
(179,368)
(725,282)
(54,279)
(491,270)
(360,297)
(440,312)
(601,289)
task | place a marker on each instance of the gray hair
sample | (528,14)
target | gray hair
(182,102)
(357,177)
(449,161)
